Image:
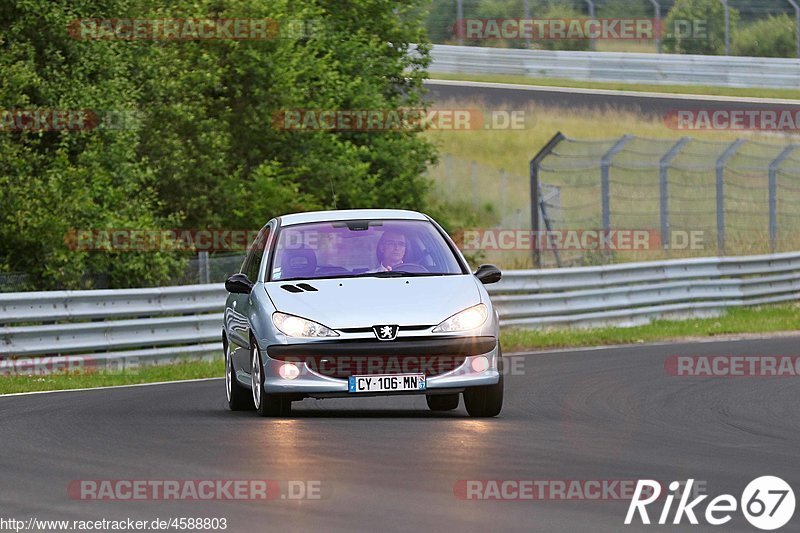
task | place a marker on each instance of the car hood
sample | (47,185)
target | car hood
(364,302)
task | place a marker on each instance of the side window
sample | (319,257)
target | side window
(255,255)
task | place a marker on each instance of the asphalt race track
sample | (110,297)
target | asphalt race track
(520,96)
(392,465)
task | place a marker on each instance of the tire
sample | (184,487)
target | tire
(442,402)
(486,401)
(271,405)
(239,398)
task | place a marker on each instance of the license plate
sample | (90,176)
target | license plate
(387,383)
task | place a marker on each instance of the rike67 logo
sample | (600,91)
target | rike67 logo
(767,503)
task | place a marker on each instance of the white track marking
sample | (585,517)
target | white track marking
(110,387)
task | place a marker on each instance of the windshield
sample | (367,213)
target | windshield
(362,248)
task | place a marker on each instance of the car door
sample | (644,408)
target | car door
(238,305)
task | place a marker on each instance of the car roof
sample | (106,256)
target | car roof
(349,214)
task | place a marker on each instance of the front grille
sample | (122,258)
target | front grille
(400,329)
(343,367)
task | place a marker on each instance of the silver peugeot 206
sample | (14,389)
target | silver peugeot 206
(353,303)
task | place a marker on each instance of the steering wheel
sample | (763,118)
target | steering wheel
(411,268)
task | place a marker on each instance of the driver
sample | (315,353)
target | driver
(391,250)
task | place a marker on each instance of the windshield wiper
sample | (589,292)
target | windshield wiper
(381,274)
(397,274)
(384,274)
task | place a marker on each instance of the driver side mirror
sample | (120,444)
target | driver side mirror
(488,274)
(239,284)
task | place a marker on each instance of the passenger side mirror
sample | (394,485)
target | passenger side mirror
(239,284)
(488,274)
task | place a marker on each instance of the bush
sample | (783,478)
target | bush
(697,27)
(770,37)
(559,11)
(441,20)
(625,9)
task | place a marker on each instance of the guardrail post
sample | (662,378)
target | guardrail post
(664,188)
(592,44)
(773,195)
(721,162)
(727,27)
(526,13)
(204,274)
(605,185)
(460,20)
(537,204)
(657,8)
(796,24)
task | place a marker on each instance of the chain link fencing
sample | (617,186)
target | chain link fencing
(701,198)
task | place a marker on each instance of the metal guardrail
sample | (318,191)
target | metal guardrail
(660,69)
(165,324)
(634,293)
(99,327)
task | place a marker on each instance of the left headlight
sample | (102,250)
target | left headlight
(469,318)
(294,326)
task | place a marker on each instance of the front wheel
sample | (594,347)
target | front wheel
(266,404)
(487,400)
(239,398)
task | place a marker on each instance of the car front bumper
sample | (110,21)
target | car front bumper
(310,382)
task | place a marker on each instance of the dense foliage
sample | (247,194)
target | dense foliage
(773,36)
(709,38)
(192,142)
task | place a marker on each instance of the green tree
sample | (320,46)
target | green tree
(697,27)
(52,182)
(203,149)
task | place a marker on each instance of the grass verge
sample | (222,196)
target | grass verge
(706,90)
(766,319)
(512,149)
(144,374)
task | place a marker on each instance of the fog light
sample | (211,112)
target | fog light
(288,371)
(479,364)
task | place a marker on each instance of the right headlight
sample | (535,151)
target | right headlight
(294,326)
(469,318)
